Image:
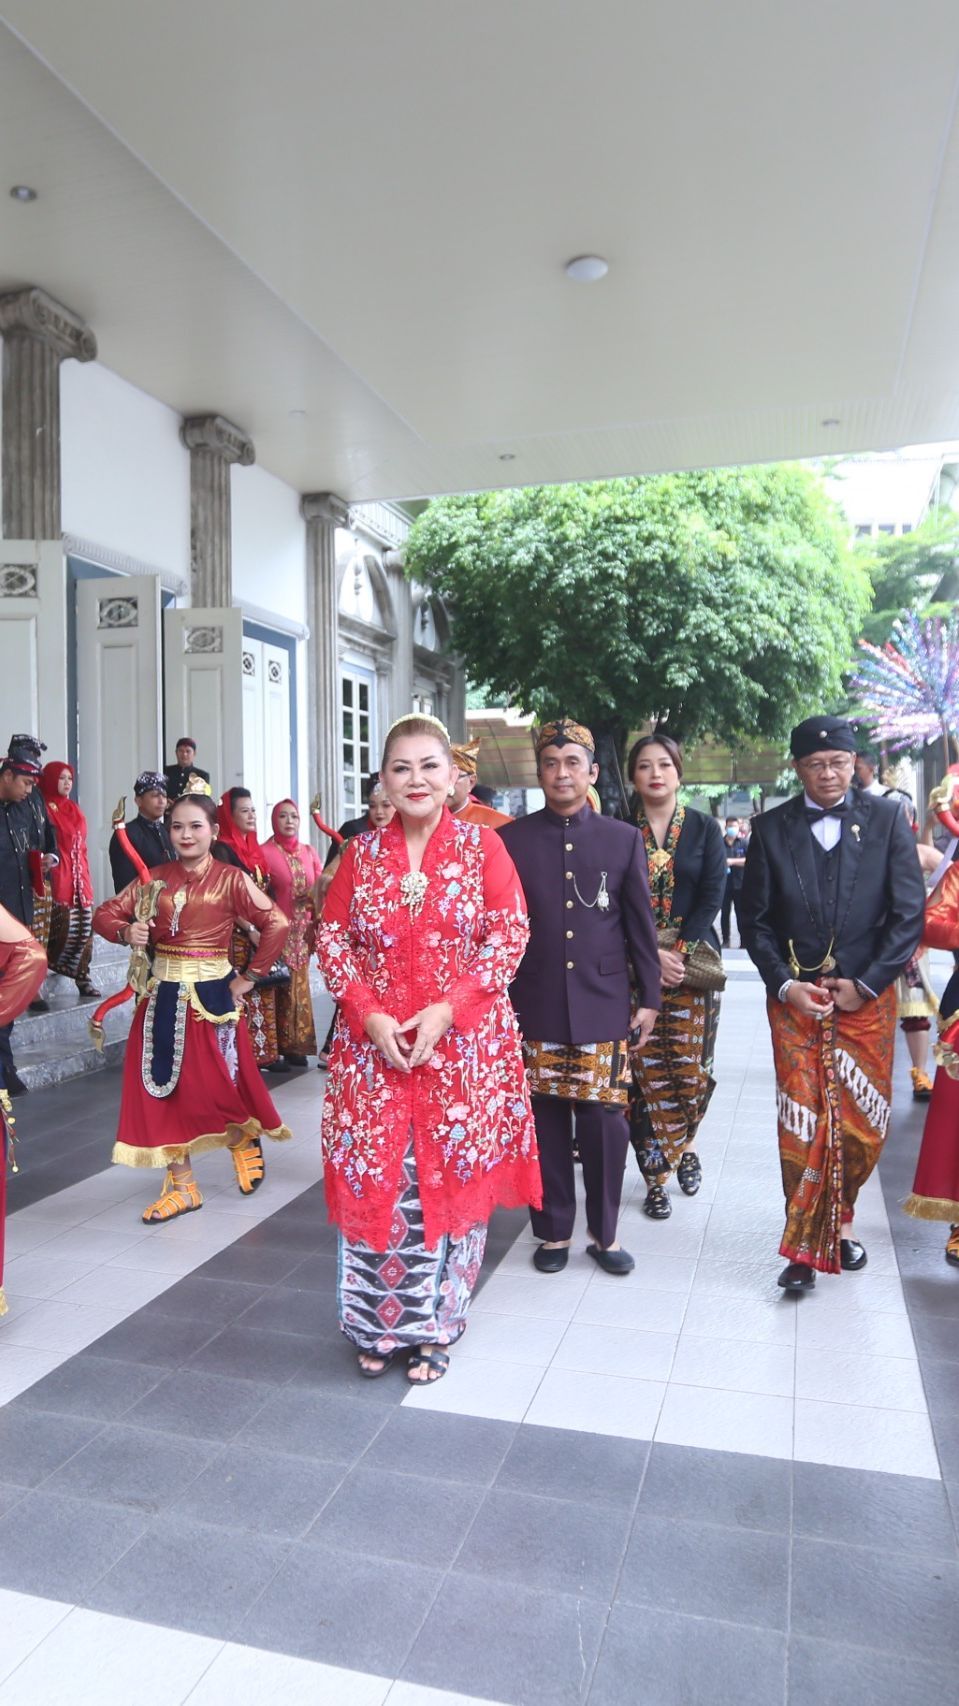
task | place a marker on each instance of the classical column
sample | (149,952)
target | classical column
(214,445)
(38,333)
(323,514)
(402,591)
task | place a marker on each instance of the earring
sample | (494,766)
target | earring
(450,791)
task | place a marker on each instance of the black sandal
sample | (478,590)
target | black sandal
(689,1173)
(429,1357)
(657,1204)
(375,1373)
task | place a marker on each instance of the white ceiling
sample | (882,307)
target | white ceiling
(361,209)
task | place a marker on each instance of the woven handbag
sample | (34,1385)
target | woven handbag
(704,964)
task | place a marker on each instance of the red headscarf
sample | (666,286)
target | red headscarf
(72,876)
(289,843)
(246,847)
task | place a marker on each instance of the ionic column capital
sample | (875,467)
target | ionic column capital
(32,313)
(325,506)
(218,435)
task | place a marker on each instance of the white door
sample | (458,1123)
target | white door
(357,733)
(203,689)
(33,643)
(267,754)
(118,701)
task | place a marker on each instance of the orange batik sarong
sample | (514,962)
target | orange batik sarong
(833,1091)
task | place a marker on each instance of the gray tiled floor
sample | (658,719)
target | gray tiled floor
(214,1464)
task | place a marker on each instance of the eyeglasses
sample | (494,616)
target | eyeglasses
(822,766)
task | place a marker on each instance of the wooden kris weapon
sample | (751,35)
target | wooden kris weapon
(145,906)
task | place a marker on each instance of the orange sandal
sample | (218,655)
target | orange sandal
(248,1165)
(177,1197)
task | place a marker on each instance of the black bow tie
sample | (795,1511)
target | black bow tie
(815,814)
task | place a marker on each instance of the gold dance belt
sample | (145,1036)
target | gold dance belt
(189,968)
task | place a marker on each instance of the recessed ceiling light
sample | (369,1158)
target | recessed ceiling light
(830,421)
(587,269)
(507,456)
(23,192)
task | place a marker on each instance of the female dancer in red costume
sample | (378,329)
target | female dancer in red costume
(23,967)
(71,887)
(189,1078)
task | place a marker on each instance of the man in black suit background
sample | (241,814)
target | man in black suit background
(147,831)
(831,908)
(591,922)
(177,775)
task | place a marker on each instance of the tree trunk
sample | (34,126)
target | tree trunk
(610,741)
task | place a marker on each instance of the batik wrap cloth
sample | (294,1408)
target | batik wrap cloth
(578,1072)
(411,1295)
(833,1093)
(673,1080)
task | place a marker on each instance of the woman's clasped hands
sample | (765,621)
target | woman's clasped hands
(406,1043)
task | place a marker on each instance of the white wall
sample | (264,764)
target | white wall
(269,544)
(126,476)
(269,579)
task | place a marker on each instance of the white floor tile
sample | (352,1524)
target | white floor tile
(248,1676)
(554,1296)
(727,1421)
(414,1694)
(90,1659)
(621,1303)
(500,1390)
(872,1335)
(531,1339)
(92,1244)
(24,1235)
(20,1368)
(597,1403)
(117,1288)
(38,1276)
(56,1326)
(897,1442)
(25,1621)
(768,1320)
(837,1375)
(735,1365)
(623,1351)
(848,1296)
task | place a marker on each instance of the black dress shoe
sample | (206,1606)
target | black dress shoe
(851,1255)
(657,1204)
(798,1276)
(689,1173)
(39,1006)
(611,1261)
(295,1059)
(550,1261)
(14,1085)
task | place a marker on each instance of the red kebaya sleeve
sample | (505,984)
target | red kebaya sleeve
(497,953)
(336,950)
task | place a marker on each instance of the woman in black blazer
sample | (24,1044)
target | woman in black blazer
(672,1075)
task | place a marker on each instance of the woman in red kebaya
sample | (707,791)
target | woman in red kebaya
(427,1125)
(71,888)
(190,1082)
(294,868)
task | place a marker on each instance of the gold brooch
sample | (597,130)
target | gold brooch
(413,891)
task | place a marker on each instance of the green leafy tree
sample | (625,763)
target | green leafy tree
(916,571)
(722,603)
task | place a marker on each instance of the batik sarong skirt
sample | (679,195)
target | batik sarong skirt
(833,1091)
(407,1295)
(578,1072)
(673,1080)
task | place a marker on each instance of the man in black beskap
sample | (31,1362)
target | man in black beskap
(591,927)
(27,839)
(832,907)
(147,831)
